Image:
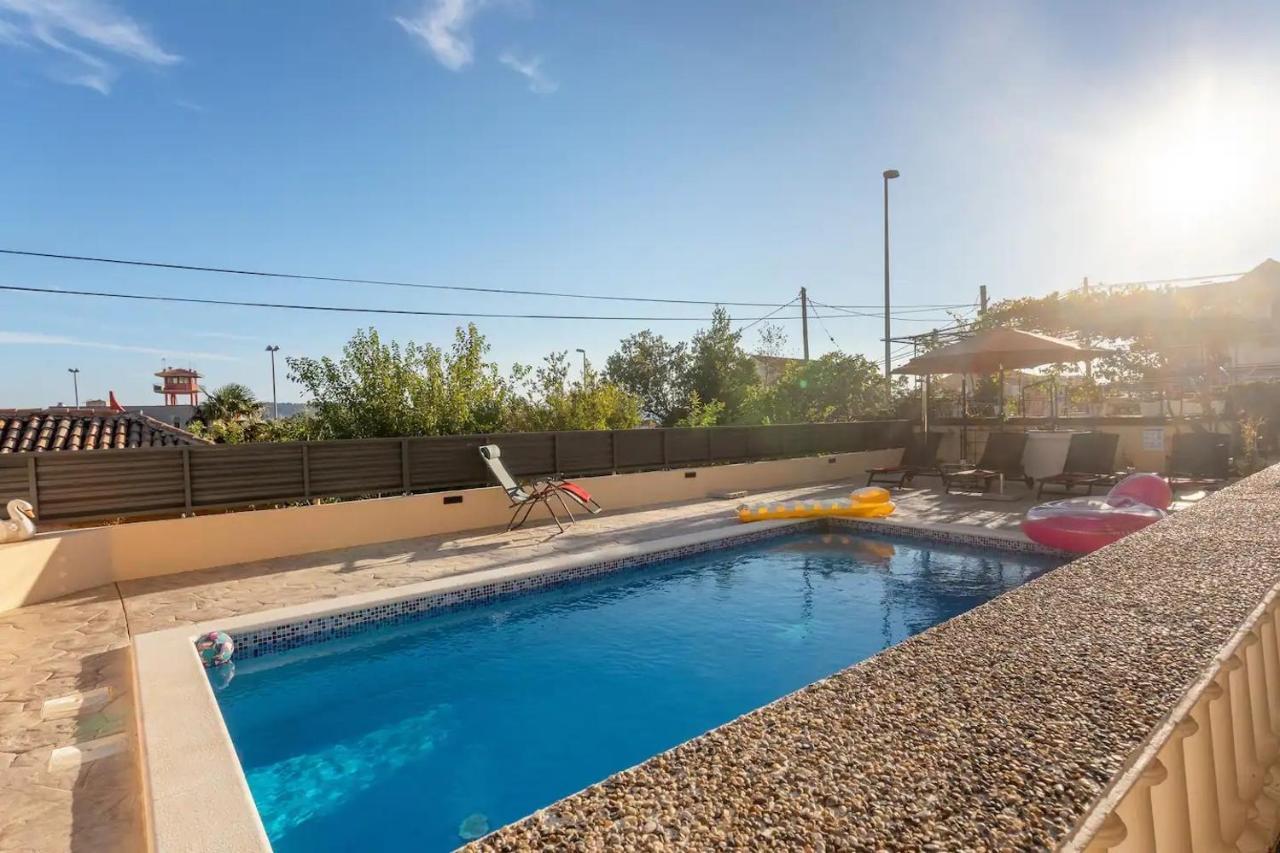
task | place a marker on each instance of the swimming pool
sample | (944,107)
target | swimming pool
(423,734)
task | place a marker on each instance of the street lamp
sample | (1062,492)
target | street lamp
(889,175)
(75,382)
(275,405)
(584,364)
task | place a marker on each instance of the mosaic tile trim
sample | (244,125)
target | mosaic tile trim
(999,543)
(277,638)
(271,639)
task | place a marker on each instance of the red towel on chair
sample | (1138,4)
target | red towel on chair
(580,495)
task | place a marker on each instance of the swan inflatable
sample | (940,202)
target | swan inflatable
(21,524)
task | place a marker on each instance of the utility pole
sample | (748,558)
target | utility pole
(584,364)
(75,382)
(982,300)
(804,321)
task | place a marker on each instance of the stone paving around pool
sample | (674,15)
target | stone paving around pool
(81,644)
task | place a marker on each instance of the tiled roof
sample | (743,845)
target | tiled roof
(45,430)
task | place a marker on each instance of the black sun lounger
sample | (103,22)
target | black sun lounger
(1091,462)
(919,459)
(1001,457)
(1199,460)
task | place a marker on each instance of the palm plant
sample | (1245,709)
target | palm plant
(231,402)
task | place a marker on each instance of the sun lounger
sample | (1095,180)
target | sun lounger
(1199,460)
(1091,462)
(525,497)
(1001,458)
(919,459)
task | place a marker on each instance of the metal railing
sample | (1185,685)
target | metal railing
(156,481)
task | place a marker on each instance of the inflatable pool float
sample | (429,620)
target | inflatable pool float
(871,502)
(1150,489)
(1082,525)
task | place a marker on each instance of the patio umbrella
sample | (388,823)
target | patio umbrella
(994,351)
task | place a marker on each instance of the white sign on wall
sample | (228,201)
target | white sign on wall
(1153,438)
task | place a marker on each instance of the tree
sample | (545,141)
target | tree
(772,340)
(378,389)
(835,387)
(719,369)
(232,401)
(654,370)
(550,401)
(699,415)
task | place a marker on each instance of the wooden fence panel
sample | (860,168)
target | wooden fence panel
(586,452)
(362,467)
(730,444)
(447,461)
(528,453)
(13,479)
(638,449)
(687,446)
(764,443)
(108,484)
(248,473)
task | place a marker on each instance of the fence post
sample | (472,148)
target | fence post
(555,453)
(707,432)
(613,451)
(665,461)
(306,471)
(33,484)
(404,466)
(186,477)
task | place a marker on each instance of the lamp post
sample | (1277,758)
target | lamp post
(584,364)
(75,383)
(275,405)
(889,175)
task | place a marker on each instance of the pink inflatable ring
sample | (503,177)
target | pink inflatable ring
(1082,525)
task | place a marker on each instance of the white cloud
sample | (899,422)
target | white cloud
(443,27)
(38,339)
(531,70)
(78,33)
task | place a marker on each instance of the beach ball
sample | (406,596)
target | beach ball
(1150,489)
(216,648)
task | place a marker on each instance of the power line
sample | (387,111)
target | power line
(1204,278)
(770,314)
(818,317)
(392,283)
(897,315)
(191,300)
(896,312)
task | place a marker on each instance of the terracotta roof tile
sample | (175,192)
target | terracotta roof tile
(52,430)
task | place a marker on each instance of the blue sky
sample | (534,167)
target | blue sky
(710,150)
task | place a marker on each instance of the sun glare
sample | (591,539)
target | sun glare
(1201,157)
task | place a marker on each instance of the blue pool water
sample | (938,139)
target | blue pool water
(420,736)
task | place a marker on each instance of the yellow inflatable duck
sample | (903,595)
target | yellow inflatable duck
(871,502)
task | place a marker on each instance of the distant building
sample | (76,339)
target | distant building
(770,368)
(179,382)
(287,410)
(1254,353)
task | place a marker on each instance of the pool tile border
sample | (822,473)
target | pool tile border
(276,638)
